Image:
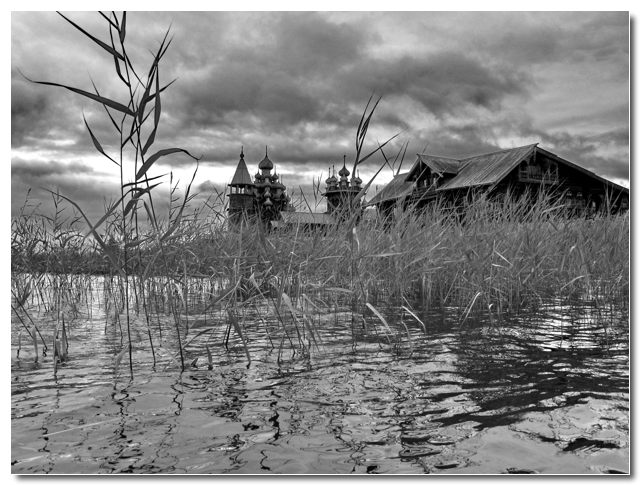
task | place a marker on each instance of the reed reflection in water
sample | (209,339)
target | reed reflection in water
(547,394)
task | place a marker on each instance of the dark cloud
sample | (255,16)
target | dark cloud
(534,45)
(268,99)
(457,141)
(601,36)
(539,38)
(441,84)
(46,169)
(589,151)
(281,80)
(460,84)
(43,117)
(307,43)
(90,193)
(28,109)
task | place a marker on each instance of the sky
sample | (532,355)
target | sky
(453,84)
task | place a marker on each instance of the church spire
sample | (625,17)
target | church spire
(241,176)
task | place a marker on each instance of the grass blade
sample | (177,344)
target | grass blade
(105,46)
(100,99)
(380,317)
(96,143)
(159,154)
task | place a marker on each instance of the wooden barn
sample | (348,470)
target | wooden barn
(518,171)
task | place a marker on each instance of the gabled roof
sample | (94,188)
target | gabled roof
(582,169)
(241,177)
(439,165)
(487,169)
(397,188)
(477,171)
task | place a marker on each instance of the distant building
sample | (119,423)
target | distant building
(517,171)
(306,221)
(341,194)
(265,198)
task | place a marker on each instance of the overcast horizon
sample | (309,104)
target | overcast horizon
(452,84)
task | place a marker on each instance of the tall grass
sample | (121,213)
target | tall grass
(496,261)
(135,121)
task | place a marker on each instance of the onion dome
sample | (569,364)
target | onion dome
(265,164)
(332,179)
(268,203)
(356,180)
(344,174)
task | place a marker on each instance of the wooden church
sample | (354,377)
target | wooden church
(264,198)
(260,199)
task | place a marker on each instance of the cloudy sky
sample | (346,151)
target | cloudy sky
(453,84)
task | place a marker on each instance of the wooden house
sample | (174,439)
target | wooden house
(519,171)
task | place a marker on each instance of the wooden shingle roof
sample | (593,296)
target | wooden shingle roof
(478,171)
(396,189)
(241,177)
(487,169)
(439,165)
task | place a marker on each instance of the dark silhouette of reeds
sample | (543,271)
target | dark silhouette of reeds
(502,258)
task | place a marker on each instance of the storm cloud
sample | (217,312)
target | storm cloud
(455,84)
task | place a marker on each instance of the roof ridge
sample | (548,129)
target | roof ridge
(499,151)
(438,156)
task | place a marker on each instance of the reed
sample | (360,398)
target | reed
(497,261)
(500,259)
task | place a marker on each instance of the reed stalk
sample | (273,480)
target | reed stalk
(499,260)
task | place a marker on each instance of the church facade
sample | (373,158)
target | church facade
(342,193)
(264,198)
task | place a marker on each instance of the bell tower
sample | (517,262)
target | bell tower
(241,194)
(341,193)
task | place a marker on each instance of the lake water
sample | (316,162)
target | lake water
(539,395)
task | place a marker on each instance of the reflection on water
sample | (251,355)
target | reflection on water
(540,395)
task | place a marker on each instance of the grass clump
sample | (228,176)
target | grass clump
(495,261)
